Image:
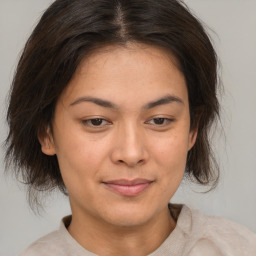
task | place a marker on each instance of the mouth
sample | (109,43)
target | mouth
(128,188)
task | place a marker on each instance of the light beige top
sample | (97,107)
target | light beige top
(195,234)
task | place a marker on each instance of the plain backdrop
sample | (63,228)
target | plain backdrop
(232,26)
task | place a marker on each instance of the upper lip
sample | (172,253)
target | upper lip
(127,182)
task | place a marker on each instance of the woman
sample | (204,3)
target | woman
(112,103)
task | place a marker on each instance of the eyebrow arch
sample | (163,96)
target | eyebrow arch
(107,104)
(162,101)
(97,101)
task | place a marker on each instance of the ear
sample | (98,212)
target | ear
(47,143)
(198,112)
(192,138)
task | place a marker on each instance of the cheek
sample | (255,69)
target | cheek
(169,155)
(171,152)
(79,157)
(80,166)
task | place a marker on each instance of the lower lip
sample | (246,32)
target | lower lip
(128,190)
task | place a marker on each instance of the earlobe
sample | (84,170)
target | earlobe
(47,142)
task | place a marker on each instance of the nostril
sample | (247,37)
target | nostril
(134,163)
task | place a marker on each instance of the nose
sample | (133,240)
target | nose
(129,147)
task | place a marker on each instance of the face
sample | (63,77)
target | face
(121,133)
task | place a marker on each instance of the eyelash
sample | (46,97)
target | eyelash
(164,119)
(89,122)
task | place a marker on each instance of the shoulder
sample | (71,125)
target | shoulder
(59,242)
(51,244)
(211,233)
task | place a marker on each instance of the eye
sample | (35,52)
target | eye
(95,122)
(160,121)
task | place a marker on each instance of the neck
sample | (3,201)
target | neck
(106,239)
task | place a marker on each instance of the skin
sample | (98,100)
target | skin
(132,139)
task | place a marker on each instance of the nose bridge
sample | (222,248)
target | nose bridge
(130,144)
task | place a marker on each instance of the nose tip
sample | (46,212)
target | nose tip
(130,150)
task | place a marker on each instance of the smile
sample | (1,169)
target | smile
(128,187)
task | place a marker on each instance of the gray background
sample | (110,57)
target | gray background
(234,23)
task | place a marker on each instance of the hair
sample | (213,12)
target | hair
(70,30)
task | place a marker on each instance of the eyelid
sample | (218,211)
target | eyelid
(86,122)
(167,120)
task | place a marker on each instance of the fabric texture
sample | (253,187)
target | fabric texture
(195,234)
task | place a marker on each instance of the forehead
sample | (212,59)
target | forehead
(121,72)
(132,55)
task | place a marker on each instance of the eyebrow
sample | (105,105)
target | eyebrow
(163,101)
(107,104)
(97,101)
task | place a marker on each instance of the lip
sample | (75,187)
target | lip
(128,187)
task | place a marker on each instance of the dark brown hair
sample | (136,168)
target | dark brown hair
(68,31)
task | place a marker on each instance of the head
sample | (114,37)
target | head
(71,42)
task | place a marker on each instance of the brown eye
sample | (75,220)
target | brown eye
(95,122)
(159,121)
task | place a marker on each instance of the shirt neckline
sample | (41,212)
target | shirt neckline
(171,246)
